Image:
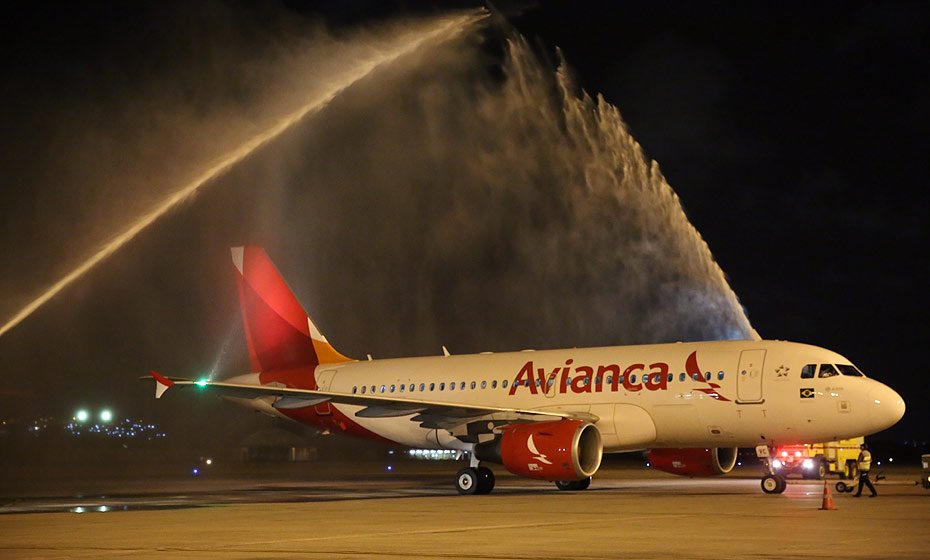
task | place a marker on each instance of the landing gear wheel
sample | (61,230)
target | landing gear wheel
(772,484)
(467,480)
(573,484)
(485,480)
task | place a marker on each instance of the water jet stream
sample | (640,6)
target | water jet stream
(447,28)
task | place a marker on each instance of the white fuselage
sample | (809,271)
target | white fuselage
(748,393)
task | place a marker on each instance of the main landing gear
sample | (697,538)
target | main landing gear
(471,480)
(573,484)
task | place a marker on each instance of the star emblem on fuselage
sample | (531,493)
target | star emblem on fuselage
(782,371)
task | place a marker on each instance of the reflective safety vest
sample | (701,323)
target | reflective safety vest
(865,460)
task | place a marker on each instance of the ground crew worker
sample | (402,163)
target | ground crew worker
(865,464)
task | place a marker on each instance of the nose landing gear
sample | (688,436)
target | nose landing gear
(771,483)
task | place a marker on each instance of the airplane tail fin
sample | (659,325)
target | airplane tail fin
(279,332)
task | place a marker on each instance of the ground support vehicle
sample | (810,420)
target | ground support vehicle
(815,461)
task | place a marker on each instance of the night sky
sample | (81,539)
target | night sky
(795,135)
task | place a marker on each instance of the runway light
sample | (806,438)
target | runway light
(79,509)
(102,509)
(201,383)
(196,471)
(390,468)
(81,415)
(209,461)
(105,415)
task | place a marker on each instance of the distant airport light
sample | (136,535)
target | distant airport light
(196,471)
(106,415)
(209,461)
(82,416)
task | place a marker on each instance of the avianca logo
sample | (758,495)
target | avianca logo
(587,379)
(541,457)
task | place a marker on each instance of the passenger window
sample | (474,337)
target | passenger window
(484,384)
(633,378)
(504,384)
(597,381)
(707,376)
(696,376)
(568,381)
(827,370)
(719,376)
(392,388)
(422,387)
(671,376)
(681,377)
(494,384)
(412,387)
(354,389)
(401,388)
(849,370)
(620,379)
(610,379)
(373,388)
(551,382)
(808,371)
(432,386)
(472,384)
(442,386)
(363,390)
(463,386)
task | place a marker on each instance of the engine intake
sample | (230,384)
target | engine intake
(697,461)
(558,450)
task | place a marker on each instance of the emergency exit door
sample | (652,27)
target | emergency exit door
(749,376)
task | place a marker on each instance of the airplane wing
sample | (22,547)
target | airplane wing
(430,414)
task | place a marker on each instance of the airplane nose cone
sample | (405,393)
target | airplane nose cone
(886,407)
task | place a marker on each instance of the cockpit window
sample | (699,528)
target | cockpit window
(827,370)
(849,370)
(808,371)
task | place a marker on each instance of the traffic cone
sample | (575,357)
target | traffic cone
(827,497)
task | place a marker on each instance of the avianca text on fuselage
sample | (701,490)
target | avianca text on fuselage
(587,379)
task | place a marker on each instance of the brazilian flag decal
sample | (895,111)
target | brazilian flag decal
(807,393)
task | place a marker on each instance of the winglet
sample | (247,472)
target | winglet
(161,383)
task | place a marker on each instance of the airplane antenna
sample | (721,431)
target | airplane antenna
(445,351)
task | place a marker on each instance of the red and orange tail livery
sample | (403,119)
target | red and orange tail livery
(279,332)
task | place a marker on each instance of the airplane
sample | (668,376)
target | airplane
(550,414)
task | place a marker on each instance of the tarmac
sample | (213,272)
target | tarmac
(414,512)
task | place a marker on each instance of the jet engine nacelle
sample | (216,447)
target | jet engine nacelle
(554,451)
(698,461)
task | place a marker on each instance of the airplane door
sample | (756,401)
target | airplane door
(551,387)
(323,381)
(749,376)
